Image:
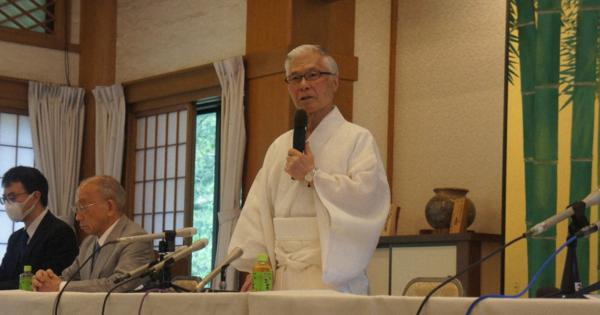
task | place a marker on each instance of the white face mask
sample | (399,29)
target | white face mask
(15,212)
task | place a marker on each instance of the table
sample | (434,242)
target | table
(398,259)
(281,302)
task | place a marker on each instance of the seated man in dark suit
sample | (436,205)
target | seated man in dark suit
(46,241)
(100,212)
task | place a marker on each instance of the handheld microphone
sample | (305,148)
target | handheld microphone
(586,231)
(184,232)
(300,122)
(143,268)
(591,200)
(233,255)
(177,256)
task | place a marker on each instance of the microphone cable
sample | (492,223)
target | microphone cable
(113,289)
(144,298)
(533,279)
(168,262)
(449,279)
(60,293)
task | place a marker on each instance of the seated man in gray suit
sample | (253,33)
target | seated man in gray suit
(100,213)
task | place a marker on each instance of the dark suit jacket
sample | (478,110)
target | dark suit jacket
(112,261)
(53,246)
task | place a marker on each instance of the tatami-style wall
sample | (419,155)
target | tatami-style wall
(449,107)
(156,37)
(372,47)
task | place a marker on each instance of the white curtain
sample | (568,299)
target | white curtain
(110,130)
(56,116)
(233,143)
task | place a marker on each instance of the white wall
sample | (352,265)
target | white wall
(449,107)
(156,36)
(41,64)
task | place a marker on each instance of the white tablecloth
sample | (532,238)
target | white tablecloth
(282,302)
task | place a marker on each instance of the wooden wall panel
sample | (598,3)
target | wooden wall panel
(268,25)
(96,66)
(169,84)
(273,28)
(268,113)
(343,98)
(392,95)
(328,24)
(13,95)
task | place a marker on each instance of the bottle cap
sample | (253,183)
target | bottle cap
(27,268)
(262,258)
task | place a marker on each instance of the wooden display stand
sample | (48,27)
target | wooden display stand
(467,248)
(391,224)
(458,223)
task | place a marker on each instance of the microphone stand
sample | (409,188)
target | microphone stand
(222,286)
(164,246)
(162,278)
(223,282)
(571,281)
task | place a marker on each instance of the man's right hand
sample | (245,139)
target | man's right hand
(45,281)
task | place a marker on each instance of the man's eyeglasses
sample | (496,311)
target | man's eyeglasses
(12,197)
(81,208)
(310,75)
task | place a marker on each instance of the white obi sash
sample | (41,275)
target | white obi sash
(297,254)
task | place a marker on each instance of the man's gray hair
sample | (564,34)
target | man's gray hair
(308,48)
(108,188)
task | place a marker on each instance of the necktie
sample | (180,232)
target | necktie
(95,254)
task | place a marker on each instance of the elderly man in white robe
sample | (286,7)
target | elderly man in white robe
(318,214)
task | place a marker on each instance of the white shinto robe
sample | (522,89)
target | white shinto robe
(338,220)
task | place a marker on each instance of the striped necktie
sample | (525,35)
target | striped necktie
(95,254)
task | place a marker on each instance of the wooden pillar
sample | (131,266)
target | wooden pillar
(274,27)
(97,62)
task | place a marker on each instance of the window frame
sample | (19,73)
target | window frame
(160,94)
(188,137)
(13,100)
(205,106)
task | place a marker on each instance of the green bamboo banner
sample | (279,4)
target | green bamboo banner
(527,49)
(540,38)
(582,135)
(541,193)
(527,33)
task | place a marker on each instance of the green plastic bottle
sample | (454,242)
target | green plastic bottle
(262,274)
(25,279)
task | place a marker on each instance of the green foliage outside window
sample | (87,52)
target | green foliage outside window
(204,190)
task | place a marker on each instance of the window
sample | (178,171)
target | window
(206,182)
(34,22)
(163,113)
(15,149)
(160,172)
(36,16)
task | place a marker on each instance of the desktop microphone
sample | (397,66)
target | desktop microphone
(586,231)
(591,200)
(143,268)
(233,255)
(197,245)
(184,232)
